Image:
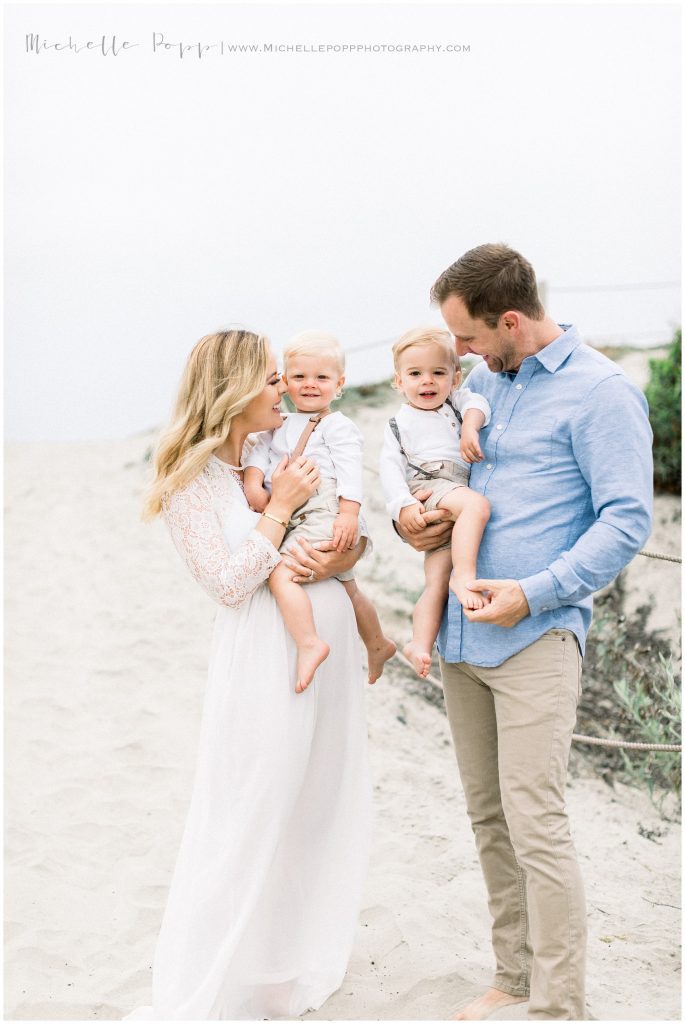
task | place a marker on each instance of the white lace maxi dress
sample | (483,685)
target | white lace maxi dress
(267,886)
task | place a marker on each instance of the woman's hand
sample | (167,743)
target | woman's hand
(311,564)
(293,483)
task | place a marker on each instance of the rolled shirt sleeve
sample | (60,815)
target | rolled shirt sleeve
(463,399)
(345,443)
(259,456)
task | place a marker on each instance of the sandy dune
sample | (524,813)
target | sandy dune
(107,641)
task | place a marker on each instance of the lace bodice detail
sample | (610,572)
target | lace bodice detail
(213,530)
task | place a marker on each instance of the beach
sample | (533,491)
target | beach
(107,640)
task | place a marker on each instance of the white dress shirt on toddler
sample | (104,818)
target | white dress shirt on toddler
(336,446)
(428,435)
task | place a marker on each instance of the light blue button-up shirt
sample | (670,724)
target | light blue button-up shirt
(568,473)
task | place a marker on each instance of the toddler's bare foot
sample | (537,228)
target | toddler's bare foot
(483,1006)
(421,660)
(469,598)
(309,657)
(378,654)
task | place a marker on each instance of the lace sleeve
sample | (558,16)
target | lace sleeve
(229,577)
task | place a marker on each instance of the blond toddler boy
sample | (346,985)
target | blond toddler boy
(429,446)
(314,367)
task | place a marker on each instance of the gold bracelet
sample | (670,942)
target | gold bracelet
(275,520)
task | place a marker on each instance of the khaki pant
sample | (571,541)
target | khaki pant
(512,728)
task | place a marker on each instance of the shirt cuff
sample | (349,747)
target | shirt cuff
(540,592)
(481,406)
(349,493)
(395,506)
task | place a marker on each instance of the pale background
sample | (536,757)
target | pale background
(150,200)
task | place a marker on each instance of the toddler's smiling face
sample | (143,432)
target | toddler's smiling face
(313,381)
(424,376)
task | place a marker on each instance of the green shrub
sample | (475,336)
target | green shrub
(653,701)
(663,394)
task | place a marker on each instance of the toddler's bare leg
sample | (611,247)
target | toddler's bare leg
(428,611)
(296,610)
(471,512)
(378,647)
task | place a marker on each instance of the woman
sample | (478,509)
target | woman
(266,890)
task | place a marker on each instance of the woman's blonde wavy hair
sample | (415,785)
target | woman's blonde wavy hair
(224,372)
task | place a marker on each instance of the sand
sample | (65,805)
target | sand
(107,640)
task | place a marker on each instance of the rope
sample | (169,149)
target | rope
(577,737)
(664,558)
(596,742)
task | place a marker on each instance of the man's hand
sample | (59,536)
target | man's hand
(412,519)
(438,529)
(506,605)
(345,527)
(469,446)
(302,558)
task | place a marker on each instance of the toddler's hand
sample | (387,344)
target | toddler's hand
(345,530)
(470,445)
(411,517)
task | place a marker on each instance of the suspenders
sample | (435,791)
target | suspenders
(429,475)
(305,435)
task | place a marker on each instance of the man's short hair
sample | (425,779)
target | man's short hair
(490,280)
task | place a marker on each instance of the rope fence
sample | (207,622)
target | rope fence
(594,741)
(664,558)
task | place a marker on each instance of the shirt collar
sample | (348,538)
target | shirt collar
(558,351)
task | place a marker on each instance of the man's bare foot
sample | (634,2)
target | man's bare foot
(470,599)
(378,654)
(421,660)
(309,657)
(483,1006)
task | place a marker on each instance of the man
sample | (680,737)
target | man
(566,465)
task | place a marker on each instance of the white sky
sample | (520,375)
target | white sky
(150,200)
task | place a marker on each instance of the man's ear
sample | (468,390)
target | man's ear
(511,320)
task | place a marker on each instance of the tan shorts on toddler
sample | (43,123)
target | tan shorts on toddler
(314,521)
(450,476)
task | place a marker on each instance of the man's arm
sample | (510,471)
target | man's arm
(612,443)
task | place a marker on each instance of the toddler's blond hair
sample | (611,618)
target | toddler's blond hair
(427,336)
(315,343)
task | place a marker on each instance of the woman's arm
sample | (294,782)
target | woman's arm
(229,577)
